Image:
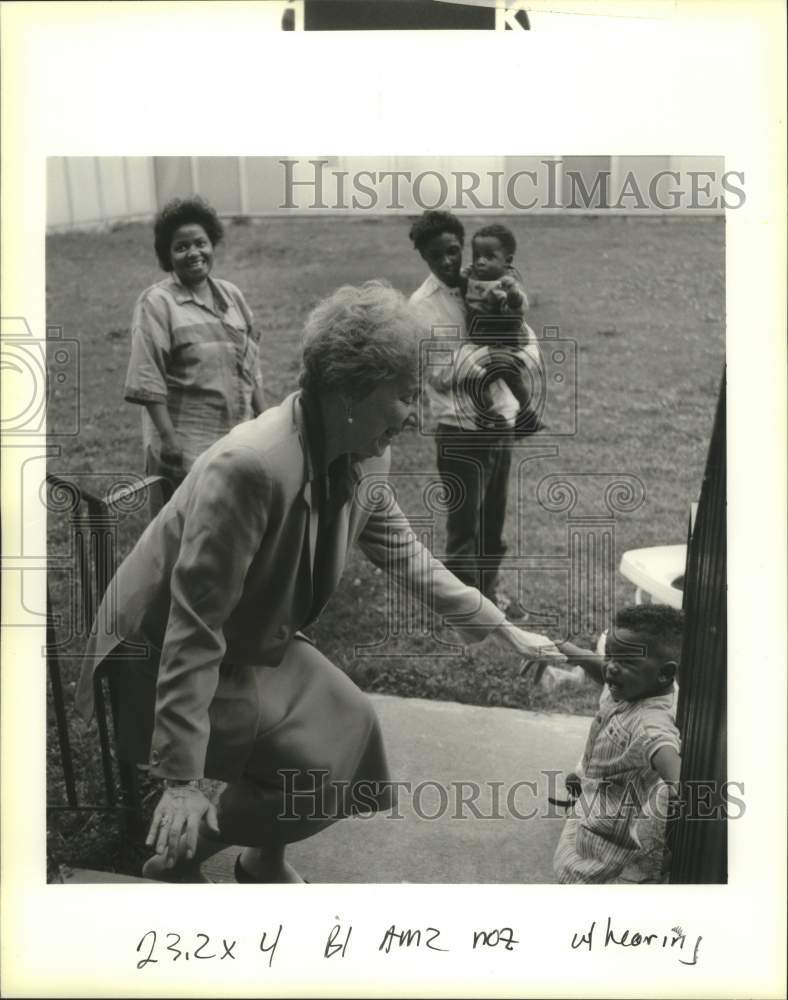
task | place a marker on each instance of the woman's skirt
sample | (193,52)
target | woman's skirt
(316,755)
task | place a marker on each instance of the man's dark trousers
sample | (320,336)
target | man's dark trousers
(474,467)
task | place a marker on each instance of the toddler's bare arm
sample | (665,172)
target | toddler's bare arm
(592,664)
(667,763)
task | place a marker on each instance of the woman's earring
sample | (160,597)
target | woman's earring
(348,413)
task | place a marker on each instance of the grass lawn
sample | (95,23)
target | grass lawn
(644,301)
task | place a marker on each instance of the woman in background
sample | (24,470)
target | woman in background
(194,352)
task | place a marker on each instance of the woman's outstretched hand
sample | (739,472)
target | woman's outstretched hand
(529,645)
(176,822)
(580,663)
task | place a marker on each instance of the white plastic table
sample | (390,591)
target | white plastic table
(654,572)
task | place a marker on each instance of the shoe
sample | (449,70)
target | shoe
(242,876)
(154,870)
(516,612)
(510,606)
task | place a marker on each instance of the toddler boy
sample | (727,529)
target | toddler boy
(616,832)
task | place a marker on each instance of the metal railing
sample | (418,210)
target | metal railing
(698,836)
(91,563)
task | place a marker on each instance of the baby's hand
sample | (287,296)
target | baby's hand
(466,271)
(514,298)
(496,299)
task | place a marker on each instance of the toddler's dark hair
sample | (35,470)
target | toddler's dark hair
(501,233)
(658,622)
(432,224)
(183,212)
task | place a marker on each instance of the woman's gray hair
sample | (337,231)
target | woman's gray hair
(359,337)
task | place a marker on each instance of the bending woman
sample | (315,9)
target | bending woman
(247,553)
(194,351)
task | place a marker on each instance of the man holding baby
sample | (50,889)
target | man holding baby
(475,412)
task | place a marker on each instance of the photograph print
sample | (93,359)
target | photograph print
(386,519)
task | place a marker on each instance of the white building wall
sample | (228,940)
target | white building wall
(99,191)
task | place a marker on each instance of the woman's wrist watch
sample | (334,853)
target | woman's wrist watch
(182,783)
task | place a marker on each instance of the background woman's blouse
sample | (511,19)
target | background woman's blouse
(202,362)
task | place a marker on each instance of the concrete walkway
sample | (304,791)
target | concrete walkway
(434,745)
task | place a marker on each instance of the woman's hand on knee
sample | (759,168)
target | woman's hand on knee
(176,822)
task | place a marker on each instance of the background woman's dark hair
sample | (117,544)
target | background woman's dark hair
(183,212)
(432,224)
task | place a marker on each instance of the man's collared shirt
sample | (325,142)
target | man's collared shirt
(443,310)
